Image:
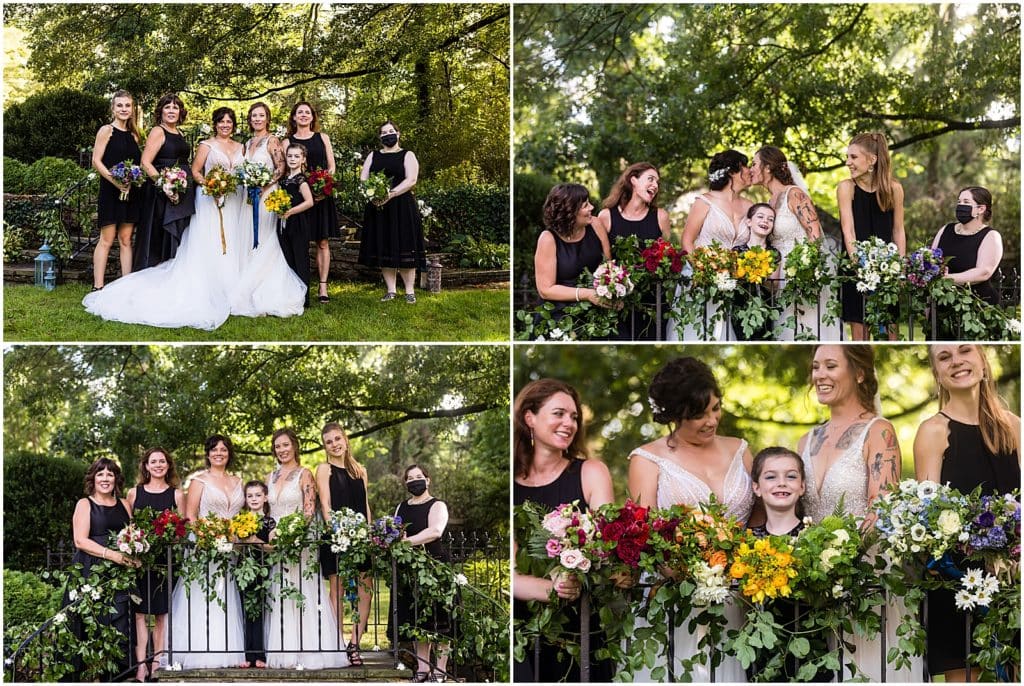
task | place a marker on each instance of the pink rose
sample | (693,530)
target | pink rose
(571,558)
(556,524)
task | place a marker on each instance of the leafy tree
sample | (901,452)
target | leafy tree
(439,70)
(601,86)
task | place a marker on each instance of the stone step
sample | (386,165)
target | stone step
(377,667)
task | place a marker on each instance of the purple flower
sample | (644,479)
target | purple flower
(985,520)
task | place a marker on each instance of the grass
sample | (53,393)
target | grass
(354,314)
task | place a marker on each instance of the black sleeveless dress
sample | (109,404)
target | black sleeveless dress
(554,665)
(966,464)
(431,617)
(963,251)
(392,235)
(110,208)
(571,259)
(345,492)
(153,589)
(163,223)
(104,519)
(868,220)
(322,222)
(294,237)
(641,326)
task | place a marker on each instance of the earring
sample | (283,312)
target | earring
(531,438)
(871,169)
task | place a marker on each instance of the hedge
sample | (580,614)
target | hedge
(53,123)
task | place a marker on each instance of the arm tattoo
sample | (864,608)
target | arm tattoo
(308,500)
(886,464)
(846,440)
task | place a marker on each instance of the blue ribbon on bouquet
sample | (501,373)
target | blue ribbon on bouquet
(254,200)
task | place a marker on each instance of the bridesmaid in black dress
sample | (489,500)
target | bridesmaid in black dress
(569,245)
(630,210)
(157,489)
(870,204)
(341,482)
(304,128)
(975,250)
(425,518)
(392,236)
(115,142)
(101,512)
(294,235)
(551,468)
(164,217)
(973,441)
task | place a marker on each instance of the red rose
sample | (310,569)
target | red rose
(613,531)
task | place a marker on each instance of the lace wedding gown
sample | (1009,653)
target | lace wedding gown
(810,317)
(266,284)
(677,486)
(717,227)
(199,623)
(847,480)
(308,632)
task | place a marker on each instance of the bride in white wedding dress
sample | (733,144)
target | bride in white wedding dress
(205,282)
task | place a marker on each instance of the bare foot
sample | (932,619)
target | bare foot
(245,665)
(260,664)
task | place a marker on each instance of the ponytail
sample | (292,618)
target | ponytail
(874,143)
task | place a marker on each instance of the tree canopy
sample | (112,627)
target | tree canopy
(766,393)
(441,71)
(600,86)
(443,406)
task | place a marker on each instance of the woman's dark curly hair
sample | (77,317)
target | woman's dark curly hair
(166,100)
(731,161)
(221,112)
(97,467)
(212,442)
(681,390)
(561,206)
(774,160)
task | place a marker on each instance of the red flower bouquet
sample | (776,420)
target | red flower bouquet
(321,183)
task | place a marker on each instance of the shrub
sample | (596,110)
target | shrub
(15,240)
(53,175)
(28,599)
(478,254)
(40,493)
(476,210)
(530,193)
(55,123)
(14,175)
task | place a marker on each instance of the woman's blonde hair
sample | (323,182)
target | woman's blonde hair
(133,128)
(993,418)
(352,466)
(874,144)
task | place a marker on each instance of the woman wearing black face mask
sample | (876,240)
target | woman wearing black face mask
(425,518)
(974,249)
(392,236)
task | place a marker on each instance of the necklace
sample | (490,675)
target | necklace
(962,230)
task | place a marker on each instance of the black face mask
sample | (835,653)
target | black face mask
(964,213)
(417,486)
(389,139)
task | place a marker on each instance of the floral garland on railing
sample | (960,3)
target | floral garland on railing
(694,561)
(807,274)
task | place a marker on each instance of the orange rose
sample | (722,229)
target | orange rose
(718,558)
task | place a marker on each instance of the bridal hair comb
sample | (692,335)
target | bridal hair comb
(718,175)
(655,407)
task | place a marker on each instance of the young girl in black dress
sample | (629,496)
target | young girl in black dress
(304,129)
(157,488)
(115,142)
(341,482)
(256,501)
(293,229)
(392,236)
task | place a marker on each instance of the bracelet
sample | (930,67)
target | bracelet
(577,294)
(104,553)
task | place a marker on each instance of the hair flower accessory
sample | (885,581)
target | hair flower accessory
(655,407)
(718,175)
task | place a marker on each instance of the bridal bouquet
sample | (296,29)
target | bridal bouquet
(566,538)
(711,291)
(612,282)
(386,531)
(827,555)
(754,265)
(218,185)
(254,175)
(764,569)
(173,181)
(375,188)
(292,530)
(993,532)
(131,540)
(920,518)
(807,274)
(750,308)
(626,532)
(128,173)
(923,266)
(321,183)
(212,534)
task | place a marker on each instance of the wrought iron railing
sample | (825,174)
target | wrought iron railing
(480,557)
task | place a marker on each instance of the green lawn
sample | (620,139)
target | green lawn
(354,314)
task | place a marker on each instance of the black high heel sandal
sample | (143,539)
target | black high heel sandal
(355,659)
(324,298)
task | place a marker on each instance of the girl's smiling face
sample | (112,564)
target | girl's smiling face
(780,483)
(294,158)
(763,221)
(255,498)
